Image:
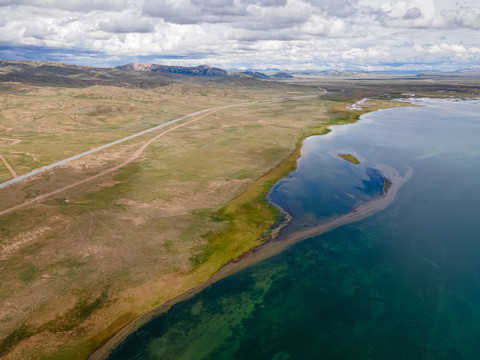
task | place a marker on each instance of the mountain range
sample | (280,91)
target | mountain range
(201,70)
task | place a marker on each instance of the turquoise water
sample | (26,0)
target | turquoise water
(401,284)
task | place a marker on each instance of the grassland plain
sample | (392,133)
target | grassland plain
(81,265)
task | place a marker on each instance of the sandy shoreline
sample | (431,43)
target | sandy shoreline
(267,250)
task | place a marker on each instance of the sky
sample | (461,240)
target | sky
(246,34)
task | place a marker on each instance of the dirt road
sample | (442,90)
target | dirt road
(7,165)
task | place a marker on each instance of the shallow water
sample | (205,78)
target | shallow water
(402,284)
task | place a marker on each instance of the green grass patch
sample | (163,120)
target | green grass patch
(56,201)
(23,219)
(242,174)
(28,273)
(250,216)
(16,336)
(79,313)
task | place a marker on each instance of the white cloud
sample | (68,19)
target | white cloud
(69,5)
(426,14)
(250,33)
(126,23)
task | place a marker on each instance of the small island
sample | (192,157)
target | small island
(349,158)
(386,185)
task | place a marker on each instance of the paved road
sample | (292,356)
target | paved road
(137,153)
(134,156)
(85,153)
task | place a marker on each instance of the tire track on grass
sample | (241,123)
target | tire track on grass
(132,158)
(7,165)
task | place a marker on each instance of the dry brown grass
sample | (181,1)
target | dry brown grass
(80,265)
(83,259)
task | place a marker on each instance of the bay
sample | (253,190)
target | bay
(401,284)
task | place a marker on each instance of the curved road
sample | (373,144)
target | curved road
(104,172)
(137,153)
(88,152)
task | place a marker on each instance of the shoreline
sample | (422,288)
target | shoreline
(254,193)
(272,245)
(267,250)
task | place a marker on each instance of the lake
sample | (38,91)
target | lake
(403,283)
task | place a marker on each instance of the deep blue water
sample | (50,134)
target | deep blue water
(401,284)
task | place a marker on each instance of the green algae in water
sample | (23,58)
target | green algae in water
(402,284)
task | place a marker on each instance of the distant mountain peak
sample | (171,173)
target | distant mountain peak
(256,74)
(281,75)
(201,70)
(136,67)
